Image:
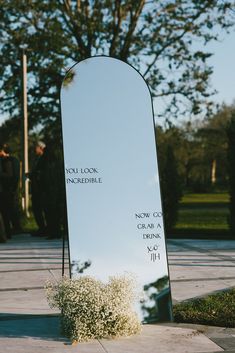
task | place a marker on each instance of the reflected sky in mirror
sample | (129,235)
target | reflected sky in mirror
(112,184)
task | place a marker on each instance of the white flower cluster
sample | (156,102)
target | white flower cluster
(92,309)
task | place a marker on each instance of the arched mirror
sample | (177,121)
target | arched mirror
(112,183)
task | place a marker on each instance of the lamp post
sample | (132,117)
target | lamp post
(25,134)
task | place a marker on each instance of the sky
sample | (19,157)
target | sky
(223,60)
(223,77)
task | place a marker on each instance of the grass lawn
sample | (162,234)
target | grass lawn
(28,224)
(205,198)
(203,212)
(215,310)
(198,214)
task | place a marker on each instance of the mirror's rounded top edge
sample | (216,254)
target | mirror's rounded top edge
(69,71)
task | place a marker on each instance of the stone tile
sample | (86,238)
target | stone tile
(29,345)
(24,279)
(25,302)
(227,343)
(204,244)
(187,290)
(162,339)
(27,333)
(193,272)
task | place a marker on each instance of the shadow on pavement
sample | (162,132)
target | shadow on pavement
(46,327)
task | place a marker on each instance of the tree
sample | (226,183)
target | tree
(169,177)
(200,148)
(231,169)
(212,135)
(156,37)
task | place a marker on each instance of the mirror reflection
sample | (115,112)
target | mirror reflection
(112,184)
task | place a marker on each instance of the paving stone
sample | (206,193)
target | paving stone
(162,339)
(196,267)
(188,290)
(226,343)
(25,302)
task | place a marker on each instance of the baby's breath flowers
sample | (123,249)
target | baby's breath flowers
(92,309)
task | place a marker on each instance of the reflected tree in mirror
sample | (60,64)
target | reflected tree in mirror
(79,267)
(157,303)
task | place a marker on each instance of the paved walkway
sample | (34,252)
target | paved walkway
(199,267)
(27,324)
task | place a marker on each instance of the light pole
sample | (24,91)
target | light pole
(25,134)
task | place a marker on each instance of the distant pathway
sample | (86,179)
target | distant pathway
(199,267)
(25,264)
(27,324)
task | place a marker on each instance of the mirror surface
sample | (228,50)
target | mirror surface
(112,183)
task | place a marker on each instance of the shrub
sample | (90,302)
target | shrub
(91,309)
(215,310)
